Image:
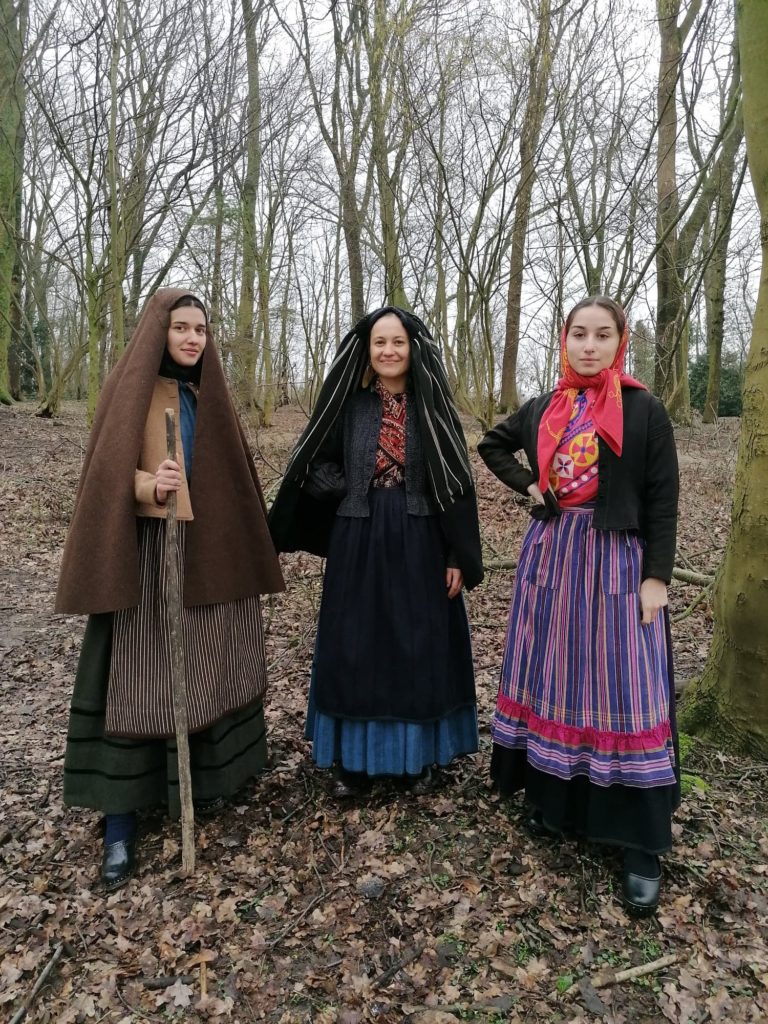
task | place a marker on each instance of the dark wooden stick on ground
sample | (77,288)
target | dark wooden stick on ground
(178,667)
(21,1013)
(413,954)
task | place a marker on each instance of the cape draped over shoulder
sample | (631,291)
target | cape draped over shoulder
(229,551)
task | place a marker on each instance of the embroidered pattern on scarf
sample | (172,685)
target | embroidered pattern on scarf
(573,476)
(390,449)
(605,402)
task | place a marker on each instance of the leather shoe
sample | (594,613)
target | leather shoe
(640,894)
(209,808)
(347,784)
(425,783)
(118,863)
(538,827)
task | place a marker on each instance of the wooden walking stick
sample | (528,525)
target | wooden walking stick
(178,666)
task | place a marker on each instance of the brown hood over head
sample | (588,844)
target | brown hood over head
(229,552)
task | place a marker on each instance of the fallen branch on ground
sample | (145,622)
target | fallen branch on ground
(166,981)
(702,595)
(627,975)
(307,910)
(388,975)
(701,579)
(21,1013)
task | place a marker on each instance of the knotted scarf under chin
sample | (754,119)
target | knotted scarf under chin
(606,406)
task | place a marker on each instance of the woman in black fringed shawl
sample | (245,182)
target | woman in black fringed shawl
(380,484)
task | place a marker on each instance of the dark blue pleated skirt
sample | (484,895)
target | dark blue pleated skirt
(392,681)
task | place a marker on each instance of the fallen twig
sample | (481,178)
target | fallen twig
(20,832)
(329,855)
(133,1010)
(627,975)
(21,1013)
(500,563)
(296,921)
(387,976)
(167,980)
(702,595)
(295,811)
(429,868)
(702,579)
(473,1008)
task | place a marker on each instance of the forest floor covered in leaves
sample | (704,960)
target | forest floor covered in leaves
(393,907)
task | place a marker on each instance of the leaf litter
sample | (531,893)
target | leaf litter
(387,908)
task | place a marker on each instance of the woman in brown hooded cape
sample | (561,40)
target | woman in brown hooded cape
(121,756)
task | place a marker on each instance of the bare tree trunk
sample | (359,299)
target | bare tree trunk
(245,339)
(671,377)
(343,122)
(116,222)
(729,703)
(714,297)
(94,293)
(12,22)
(714,283)
(538,82)
(382,49)
(216,274)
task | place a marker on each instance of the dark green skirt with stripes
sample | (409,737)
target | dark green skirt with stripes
(115,775)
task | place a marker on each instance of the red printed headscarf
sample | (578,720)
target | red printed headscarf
(607,409)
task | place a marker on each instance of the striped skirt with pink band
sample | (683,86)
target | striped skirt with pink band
(584,688)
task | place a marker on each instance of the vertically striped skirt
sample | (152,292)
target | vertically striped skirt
(223,644)
(584,718)
(120,753)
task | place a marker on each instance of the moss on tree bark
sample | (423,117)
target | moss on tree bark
(729,703)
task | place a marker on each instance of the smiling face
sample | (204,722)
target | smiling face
(186,335)
(592,340)
(390,352)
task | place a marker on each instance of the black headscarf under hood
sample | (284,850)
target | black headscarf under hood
(298,522)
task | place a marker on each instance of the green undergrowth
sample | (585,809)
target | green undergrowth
(689,780)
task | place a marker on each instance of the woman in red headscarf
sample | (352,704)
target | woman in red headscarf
(584,719)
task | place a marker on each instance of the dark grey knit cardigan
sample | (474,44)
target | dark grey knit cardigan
(344,466)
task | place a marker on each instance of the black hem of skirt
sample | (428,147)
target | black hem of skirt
(632,817)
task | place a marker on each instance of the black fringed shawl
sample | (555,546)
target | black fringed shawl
(300,522)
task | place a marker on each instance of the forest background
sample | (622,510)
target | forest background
(487,165)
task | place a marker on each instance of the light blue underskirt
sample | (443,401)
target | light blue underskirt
(390,747)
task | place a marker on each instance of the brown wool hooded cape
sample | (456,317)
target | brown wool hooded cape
(229,552)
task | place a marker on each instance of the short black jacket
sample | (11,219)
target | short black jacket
(637,490)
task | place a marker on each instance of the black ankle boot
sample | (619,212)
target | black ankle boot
(534,822)
(347,784)
(118,863)
(640,882)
